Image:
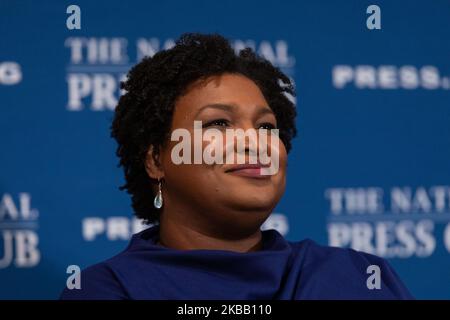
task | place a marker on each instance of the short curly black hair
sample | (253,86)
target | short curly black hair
(143,115)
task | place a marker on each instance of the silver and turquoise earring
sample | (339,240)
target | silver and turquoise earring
(158,201)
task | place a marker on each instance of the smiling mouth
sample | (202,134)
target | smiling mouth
(249,171)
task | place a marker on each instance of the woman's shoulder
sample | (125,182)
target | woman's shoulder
(97,282)
(317,253)
(333,272)
(110,278)
(103,281)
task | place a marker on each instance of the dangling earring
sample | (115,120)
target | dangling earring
(158,201)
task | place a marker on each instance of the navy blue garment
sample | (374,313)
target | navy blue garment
(280,270)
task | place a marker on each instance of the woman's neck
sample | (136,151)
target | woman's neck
(176,235)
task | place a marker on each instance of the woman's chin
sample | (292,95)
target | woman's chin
(258,202)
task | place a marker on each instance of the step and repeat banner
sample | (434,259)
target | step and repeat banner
(369,169)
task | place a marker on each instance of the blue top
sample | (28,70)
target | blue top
(280,270)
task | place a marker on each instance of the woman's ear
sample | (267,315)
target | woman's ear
(152,163)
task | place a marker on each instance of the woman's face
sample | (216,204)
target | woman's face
(212,194)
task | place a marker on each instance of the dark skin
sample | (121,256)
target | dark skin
(206,207)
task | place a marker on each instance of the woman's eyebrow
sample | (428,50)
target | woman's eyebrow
(232,107)
(220,106)
(265,110)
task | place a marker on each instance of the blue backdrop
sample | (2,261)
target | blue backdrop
(370,168)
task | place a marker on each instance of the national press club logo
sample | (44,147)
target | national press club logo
(389,77)
(399,222)
(121,228)
(19,239)
(96,65)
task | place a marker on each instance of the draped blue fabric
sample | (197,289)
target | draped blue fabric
(280,270)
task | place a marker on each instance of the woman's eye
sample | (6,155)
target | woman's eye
(218,122)
(267,125)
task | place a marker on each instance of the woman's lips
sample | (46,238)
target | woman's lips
(250,171)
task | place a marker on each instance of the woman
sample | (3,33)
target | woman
(206,242)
